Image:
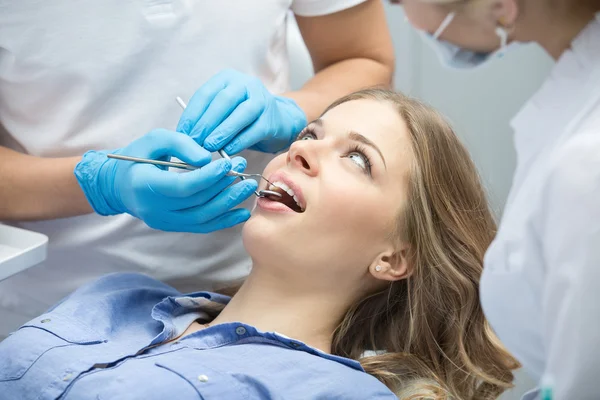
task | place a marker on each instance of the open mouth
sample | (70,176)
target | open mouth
(288,198)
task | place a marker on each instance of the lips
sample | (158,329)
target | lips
(282,177)
(285,184)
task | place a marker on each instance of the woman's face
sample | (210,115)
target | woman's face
(349,172)
(473,27)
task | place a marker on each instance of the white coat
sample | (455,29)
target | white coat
(541,283)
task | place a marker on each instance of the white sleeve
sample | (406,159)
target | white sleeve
(570,233)
(313,8)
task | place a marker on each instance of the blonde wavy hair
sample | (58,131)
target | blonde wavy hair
(429,333)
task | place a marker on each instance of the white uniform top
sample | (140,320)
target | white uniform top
(541,283)
(80,75)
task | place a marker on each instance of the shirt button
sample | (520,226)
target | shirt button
(240,330)
(203,378)
(45,320)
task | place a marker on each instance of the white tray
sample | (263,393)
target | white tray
(20,249)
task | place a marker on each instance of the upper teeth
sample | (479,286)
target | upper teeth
(287,190)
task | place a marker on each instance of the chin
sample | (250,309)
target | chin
(267,239)
(258,234)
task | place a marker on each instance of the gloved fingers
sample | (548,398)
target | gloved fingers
(255,133)
(186,184)
(220,204)
(219,109)
(201,197)
(245,115)
(227,220)
(201,99)
(180,185)
(204,196)
(162,144)
(224,221)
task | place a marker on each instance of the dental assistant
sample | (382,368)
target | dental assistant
(542,272)
(103,75)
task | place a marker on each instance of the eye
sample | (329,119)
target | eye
(307,134)
(358,159)
(357,155)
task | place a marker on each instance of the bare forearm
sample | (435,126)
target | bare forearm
(350,50)
(337,80)
(34,188)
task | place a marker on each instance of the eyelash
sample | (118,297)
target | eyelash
(353,148)
(362,152)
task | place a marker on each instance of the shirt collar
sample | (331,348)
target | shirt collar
(177,313)
(547,114)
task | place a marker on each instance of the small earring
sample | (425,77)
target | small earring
(378,268)
(508,27)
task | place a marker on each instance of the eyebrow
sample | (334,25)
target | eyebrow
(357,137)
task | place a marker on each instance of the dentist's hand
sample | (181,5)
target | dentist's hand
(233,111)
(196,201)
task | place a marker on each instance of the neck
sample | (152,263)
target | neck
(273,304)
(555,30)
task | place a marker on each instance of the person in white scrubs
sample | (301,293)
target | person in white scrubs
(540,286)
(97,75)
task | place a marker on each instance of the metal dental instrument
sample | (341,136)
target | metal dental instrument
(191,168)
(149,161)
(242,176)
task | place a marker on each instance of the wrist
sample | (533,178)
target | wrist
(92,181)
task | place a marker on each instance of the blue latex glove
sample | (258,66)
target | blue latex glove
(196,201)
(234,111)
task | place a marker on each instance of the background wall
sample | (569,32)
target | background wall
(479,103)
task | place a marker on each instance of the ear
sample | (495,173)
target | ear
(391,265)
(505,12)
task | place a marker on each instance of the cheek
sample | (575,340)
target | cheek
(424,17)
(354,212)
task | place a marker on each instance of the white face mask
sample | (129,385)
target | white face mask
(456,57)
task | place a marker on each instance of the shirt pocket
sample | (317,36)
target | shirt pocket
(208,383)
(41,337)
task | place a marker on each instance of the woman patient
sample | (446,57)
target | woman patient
(378,249)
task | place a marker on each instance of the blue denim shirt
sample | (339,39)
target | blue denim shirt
(104,342)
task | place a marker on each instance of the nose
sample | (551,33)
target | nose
(303,156)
